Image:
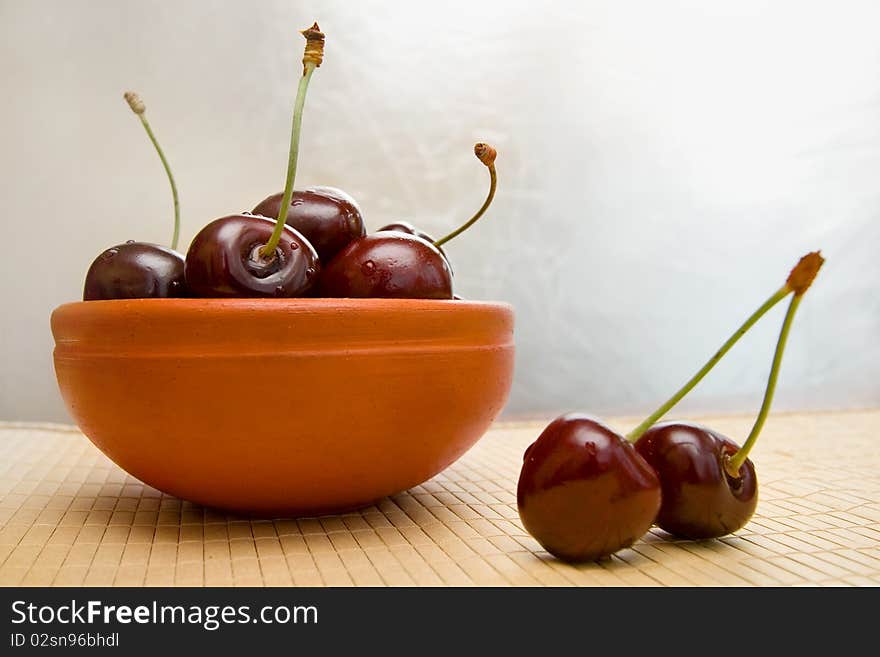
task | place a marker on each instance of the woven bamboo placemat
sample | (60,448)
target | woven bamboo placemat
(68,516)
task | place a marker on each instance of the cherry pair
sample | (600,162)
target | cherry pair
(585,491)
(294,243)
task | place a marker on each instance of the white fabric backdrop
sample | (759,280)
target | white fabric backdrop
(662,165)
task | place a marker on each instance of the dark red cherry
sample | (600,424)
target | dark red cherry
(584,493)
(700,499)
(327,217)
(387,264)
(135,270)
(225,260)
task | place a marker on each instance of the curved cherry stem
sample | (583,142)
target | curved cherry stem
(733,463)
(486,155)
(799,280)
(777,296)
(137,106)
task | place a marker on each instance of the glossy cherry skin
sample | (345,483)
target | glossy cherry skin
(327,217)
(406,227)
(135,270)
(700,499)
(224,260)
(387,264)
(583,492)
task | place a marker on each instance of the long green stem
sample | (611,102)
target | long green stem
(493,183)
(636,433)
(734,463)
(176,236)
(269,249)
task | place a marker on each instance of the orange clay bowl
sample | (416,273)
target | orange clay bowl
(283,406)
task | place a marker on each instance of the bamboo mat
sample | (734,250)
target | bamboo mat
(69,517)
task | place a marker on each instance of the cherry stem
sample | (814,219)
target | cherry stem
(799,280)
(777,296)
(137,106)
(313,55)
(268,250)
(486,154)
(734,463)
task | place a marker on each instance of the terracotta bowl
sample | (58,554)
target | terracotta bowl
(283,406)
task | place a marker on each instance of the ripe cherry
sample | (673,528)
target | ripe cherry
(327,217)
(136,270)
(700,498)
(388,264)
(399,263)
(226,259)
(245,255)
(710,488)
(584,493)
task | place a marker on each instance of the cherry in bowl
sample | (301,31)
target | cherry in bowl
(327,217)
(228,258)
(388,264)
(136,270)
(400,261)
(248,255)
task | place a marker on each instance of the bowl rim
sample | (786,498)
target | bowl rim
(265,304)
(124,327)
